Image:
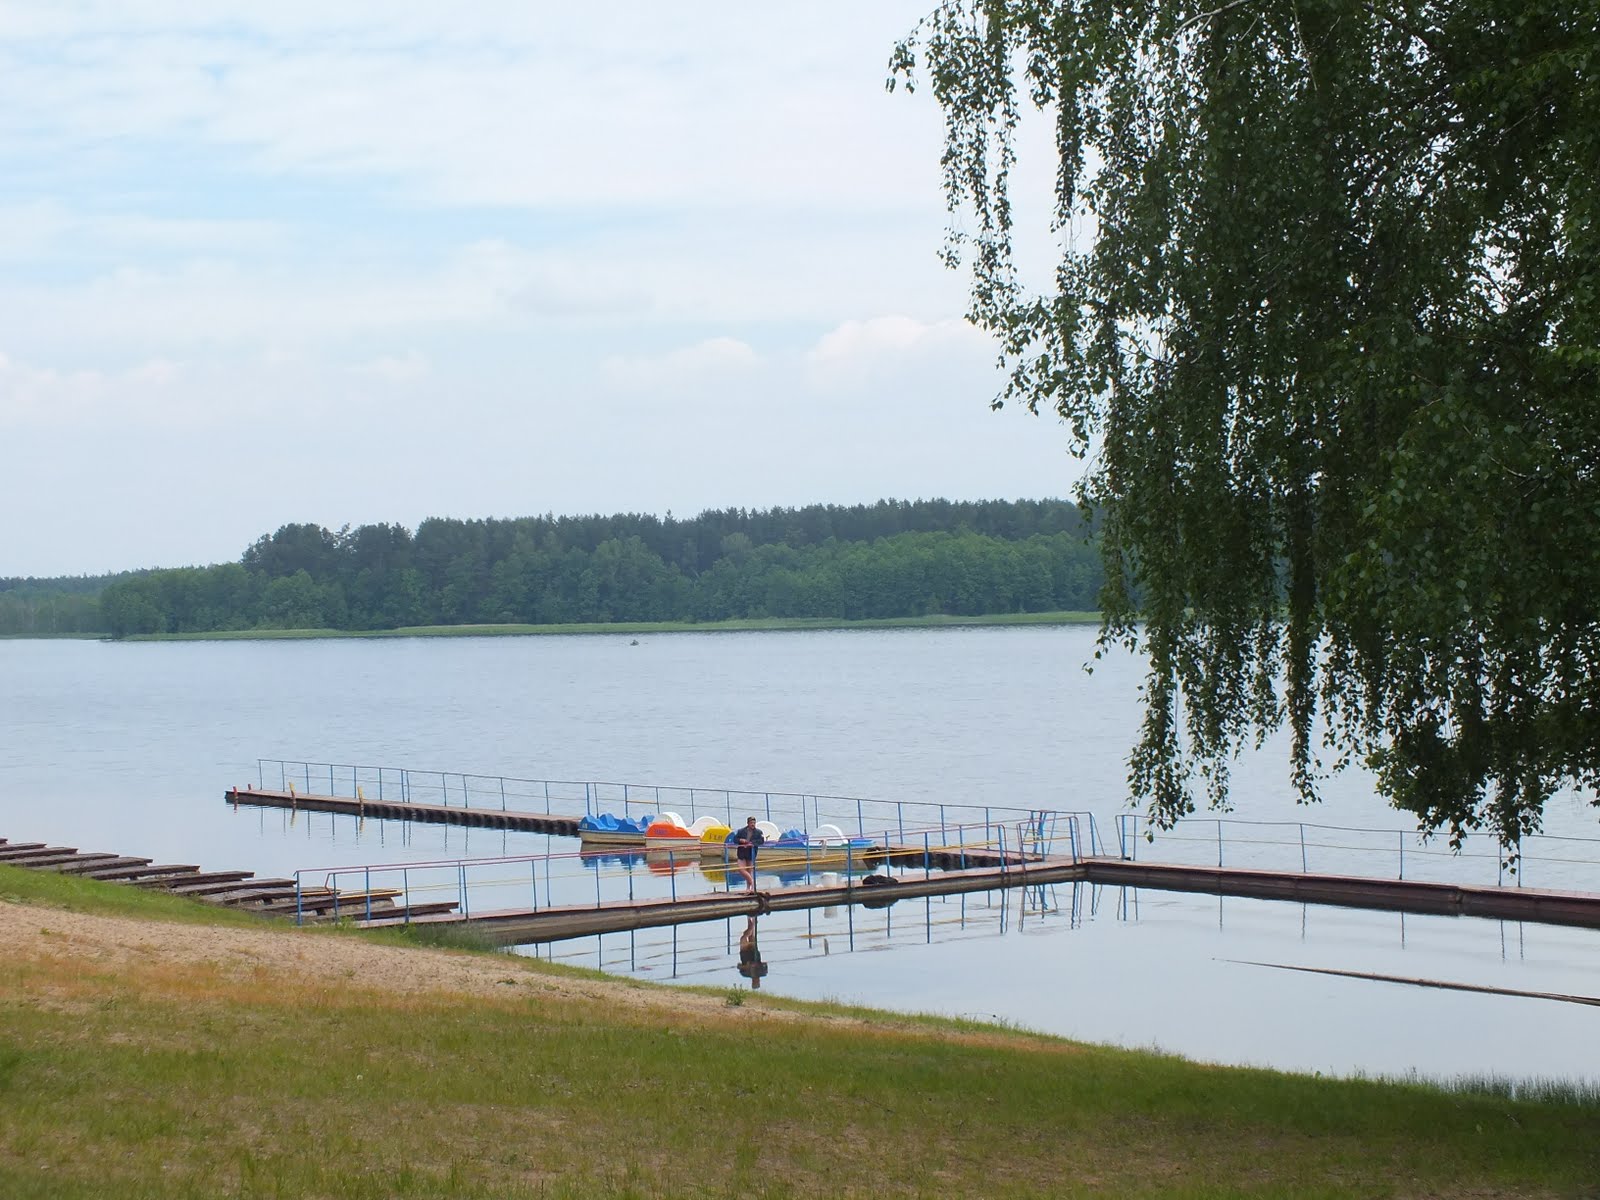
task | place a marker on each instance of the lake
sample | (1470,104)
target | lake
(129,747)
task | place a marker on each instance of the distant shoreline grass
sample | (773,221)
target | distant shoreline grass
(633,628)
(176,1080)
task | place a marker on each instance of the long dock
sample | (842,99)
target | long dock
(526,926)
(404,810)
(565,826)
(1541,906)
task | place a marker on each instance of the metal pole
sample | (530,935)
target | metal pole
(1303,868)
(1219,843)
(1402,855)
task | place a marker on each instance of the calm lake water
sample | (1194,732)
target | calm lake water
(130,747)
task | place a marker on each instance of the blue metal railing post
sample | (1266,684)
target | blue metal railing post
(1304,869)
(367,886)
(1219,842)
(1402,856)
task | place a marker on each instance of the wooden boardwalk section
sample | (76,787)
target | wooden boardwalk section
(404,810)
(942,857)
(526,926)
(1581,909)
(228,889)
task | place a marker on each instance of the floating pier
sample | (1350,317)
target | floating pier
(517,927)
(943,857)
(404,810)
(556,923)
(1581,909)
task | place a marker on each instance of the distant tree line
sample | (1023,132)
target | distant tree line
(890,559)
(54,607)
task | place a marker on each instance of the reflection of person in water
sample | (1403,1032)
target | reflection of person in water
(750,964)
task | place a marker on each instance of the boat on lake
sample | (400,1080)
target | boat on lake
(608,829)
(827,846)
(668,832)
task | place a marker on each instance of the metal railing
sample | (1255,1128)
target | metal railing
(614,874)
(569,797)
(1542,860)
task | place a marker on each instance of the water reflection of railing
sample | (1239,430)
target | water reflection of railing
(1543,860)
(692,953)
(600,876)
(507,793)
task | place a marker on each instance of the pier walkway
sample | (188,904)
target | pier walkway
(404,810)
(556,923)
(567,826)
(922,848)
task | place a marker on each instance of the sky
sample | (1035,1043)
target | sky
(374,262)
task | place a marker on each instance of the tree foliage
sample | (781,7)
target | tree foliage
(890,559)
(1325,321)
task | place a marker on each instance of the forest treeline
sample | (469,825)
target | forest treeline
(889,559)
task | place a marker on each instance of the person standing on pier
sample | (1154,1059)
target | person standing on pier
(746,841)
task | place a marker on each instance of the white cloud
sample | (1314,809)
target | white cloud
(861,350)
(47,396)
(714,359)
(698,104)
(396,368)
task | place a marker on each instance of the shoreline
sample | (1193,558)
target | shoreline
(634,628)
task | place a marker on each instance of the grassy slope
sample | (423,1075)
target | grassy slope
(173,1081)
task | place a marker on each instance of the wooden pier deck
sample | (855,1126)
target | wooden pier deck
(230,889)
(942,857)
(404,810)
(526,926)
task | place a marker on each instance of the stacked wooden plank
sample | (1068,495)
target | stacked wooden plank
(232,889)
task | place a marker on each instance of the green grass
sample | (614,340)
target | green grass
(192,1083)
(633,628)
(50,889)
